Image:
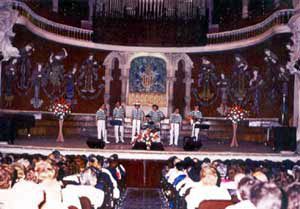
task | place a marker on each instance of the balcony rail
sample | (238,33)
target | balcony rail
(279,17)
(228,39)
(50,26)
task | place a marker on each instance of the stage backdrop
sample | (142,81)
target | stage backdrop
(147,81)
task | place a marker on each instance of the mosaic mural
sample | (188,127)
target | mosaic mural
(147,75)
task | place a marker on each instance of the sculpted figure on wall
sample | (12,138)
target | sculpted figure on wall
(89,86)
(55,75)
(10,76)
(70,85)
(8,18)
(207,80)
(224,91)
(25,67)
(255,88)
(240,80)
(38,80)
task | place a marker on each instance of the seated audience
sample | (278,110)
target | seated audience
(243,193)
(206,189)
(266,195)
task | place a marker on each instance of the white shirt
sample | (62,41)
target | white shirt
(53,191)
(201,192)
(26,194)
(5,195)
(72,193)
(244,204)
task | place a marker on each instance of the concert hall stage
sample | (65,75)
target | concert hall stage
(212,148)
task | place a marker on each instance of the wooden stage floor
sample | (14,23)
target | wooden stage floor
(212,148)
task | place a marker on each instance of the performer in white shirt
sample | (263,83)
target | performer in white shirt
(195,118)
(101,123)
(137,116)
(175,123)
(119,115)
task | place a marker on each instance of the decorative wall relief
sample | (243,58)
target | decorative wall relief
(223,92)
(70,85)
(55,75)
(38,81)
(8,18)
(10,76)
(147,99)
(25,68)
(283,80)
(240,80)
(271,61)
(147,75)
(255,89)
(206,90)
(89,85)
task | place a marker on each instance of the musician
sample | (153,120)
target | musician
(118,116)
(195,119)
(101,123)
(175,123)
(148,123)
(137,116)
(156,115)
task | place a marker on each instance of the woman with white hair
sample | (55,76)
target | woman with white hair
(46,175)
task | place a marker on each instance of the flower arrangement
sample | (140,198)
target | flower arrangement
(60,108)
(148,137)
(236,114)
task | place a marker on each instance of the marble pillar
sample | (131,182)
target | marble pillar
(296,112)
(188,86)
(170,83)
(55,6)
(245,12)
(124,78)
(107,78)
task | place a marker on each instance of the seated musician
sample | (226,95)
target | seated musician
(156,116)
(195,117)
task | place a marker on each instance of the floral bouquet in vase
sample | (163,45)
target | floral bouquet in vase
(60,109)
(235,114)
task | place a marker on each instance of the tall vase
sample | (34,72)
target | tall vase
(234,142)
(60,137)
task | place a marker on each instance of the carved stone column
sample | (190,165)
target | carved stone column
(55,6)
(188,84)
(294,24)
(123,78)
(245,12)
(107,78)
(170,82)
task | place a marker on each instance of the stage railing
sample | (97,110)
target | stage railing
(279,17)
(50,26)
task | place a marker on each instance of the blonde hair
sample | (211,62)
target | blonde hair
(208,176)
(44,170)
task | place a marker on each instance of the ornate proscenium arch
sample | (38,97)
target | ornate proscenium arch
(171,60)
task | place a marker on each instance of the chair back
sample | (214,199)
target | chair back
(85,203)
(215,204)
